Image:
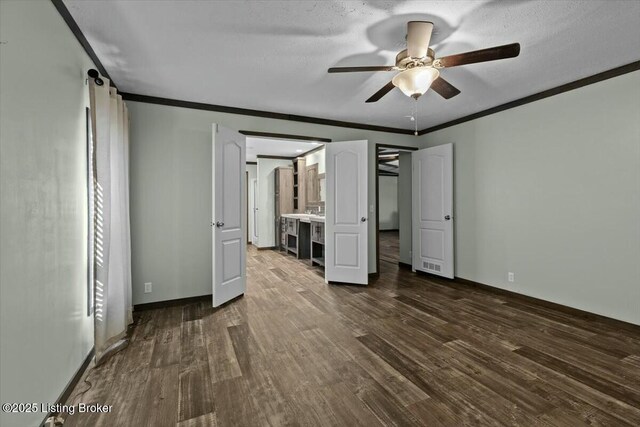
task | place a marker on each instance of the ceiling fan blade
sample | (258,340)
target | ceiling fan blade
(382,92)
(358,69)
(483,55)
(418,38)
(444,88)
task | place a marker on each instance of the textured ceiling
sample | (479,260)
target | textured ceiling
(273,55)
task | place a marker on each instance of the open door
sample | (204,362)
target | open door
(254,190)
(346,247)
(432,188)
(229,214)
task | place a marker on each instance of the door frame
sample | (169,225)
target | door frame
(286,137)
(246,199)
(377,153)
(254,228)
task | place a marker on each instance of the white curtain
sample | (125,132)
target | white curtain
(113,309)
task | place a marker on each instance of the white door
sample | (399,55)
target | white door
(254,214)
(346,225)
(229,215)
(432,189)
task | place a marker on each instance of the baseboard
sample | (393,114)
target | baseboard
(391,229)
(116,347)
(66,393)
(543,303)
(172,302)
(405,265)
(346,284)
(266,248)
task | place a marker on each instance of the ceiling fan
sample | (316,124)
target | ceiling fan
(419,68)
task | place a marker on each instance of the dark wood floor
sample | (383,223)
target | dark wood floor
(390,246)
(407,350)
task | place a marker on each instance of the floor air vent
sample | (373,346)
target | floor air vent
(431,266)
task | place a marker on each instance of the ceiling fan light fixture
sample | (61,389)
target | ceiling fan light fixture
(414,82)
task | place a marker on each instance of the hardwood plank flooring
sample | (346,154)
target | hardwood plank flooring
(408,350)
(390,246)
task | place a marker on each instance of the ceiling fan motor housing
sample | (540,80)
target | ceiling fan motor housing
(404,61)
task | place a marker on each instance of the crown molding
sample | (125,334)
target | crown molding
(605,75)
(259,113)
(75,29)
(77,32)
(285,136)
(266,156)
(313,150)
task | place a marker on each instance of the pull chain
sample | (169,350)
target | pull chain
(415,118)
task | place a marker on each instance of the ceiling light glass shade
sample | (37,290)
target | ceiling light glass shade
(414,82)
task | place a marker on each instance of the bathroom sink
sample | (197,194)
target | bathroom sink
(305,217)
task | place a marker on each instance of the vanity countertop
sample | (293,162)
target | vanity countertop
(305,217)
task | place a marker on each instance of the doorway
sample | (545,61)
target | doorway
(253,195)
(393,205)
(289,205)
(277,176)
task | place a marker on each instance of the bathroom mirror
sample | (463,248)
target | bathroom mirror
(314,184)
(322,181)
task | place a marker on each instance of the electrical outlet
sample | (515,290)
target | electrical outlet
(511,276)
(147,288)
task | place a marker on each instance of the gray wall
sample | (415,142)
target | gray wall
(252,171)
(266,200)
(170,204)
(44,328)
(171,192)
(551,191)
(404,206)
(388,202)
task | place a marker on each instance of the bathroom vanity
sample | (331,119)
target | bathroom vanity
(299,207)
(303,236)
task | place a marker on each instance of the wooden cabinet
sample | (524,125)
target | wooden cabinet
(303,237)
(297,237)
(283,196)
(317,232)
(292,226)
(283,233)
(316,248)
(299,185)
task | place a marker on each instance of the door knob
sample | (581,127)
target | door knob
(219,224)
(447,217)
(363,219)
